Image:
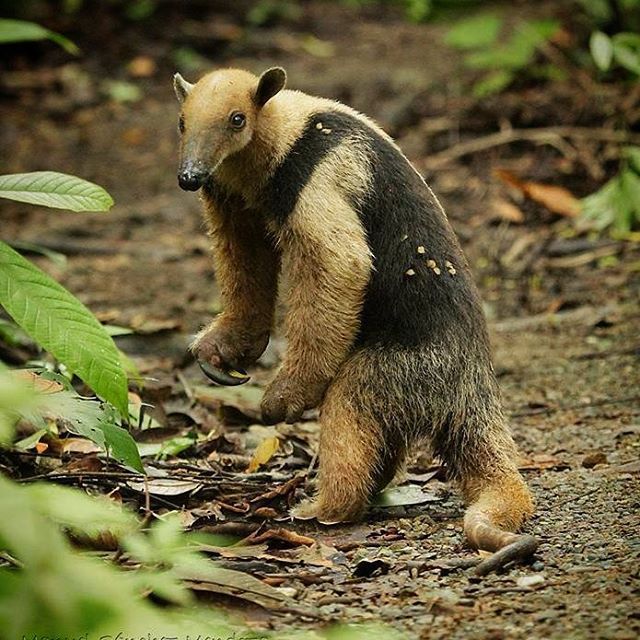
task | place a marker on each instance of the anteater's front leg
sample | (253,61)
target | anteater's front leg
(246,266)
(327,263)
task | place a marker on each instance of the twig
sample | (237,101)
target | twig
(542,135)
(185,385)
(572,407)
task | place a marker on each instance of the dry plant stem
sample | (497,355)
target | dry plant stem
(542,135)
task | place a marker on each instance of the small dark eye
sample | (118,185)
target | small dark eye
(237,120)
(181,124)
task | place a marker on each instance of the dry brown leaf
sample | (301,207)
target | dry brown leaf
(556,199)
(42,385)
(263,453)
(508,211)
(79,445)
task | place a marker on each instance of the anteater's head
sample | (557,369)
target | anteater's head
(218,118)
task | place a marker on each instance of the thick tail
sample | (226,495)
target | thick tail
(499,507)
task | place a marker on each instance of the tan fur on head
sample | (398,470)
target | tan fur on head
(220,112)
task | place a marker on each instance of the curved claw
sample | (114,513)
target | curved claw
(226,377)
(520,549)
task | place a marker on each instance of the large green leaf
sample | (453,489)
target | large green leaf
(21,31)
(59,322)
(52,189)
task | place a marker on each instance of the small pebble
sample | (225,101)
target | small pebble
(537,566)
(530,581)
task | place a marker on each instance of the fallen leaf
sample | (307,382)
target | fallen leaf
(79,445)
(508,211)
(89,463)
(42,385)
(164,486)
(403,496)
(235,405)
(146,325)
(232,583)
(263,453)
(557,199)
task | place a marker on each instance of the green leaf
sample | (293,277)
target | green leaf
(122,446)
(30,441)
(629,213)
(93,420)
(600,207)
(493,83)
(477,31)
(539,31)
(402,496)
(59,259)
(59,322)
(57,190)
(418,10)
(616,204)
(514,56)
(626,51)
(633,156)
(21,31)
(601,50)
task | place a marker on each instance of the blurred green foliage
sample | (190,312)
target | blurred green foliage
(617,204)
(24,31)
(504,59)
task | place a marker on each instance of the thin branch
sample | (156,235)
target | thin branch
(542,135)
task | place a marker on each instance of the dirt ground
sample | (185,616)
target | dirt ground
(563,311)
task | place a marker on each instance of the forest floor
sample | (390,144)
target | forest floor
(563,312)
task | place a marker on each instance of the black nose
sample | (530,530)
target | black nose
(190,181)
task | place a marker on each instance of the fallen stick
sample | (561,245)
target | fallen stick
(544,135)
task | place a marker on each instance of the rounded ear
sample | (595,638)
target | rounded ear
(271,81)
(181,87)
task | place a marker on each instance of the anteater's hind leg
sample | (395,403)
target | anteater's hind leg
(355,459)
(480,455)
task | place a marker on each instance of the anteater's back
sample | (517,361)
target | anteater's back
(421,289)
